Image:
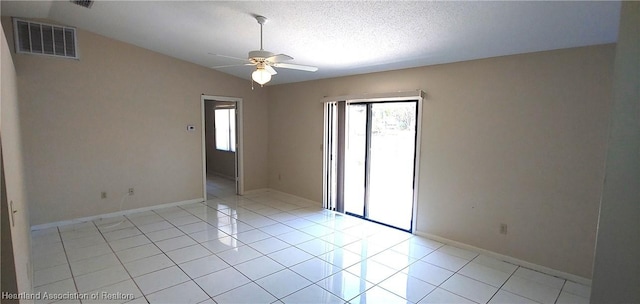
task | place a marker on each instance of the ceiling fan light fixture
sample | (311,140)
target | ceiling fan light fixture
(261,76)
(265,61)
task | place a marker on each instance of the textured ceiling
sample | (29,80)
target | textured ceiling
(340,37)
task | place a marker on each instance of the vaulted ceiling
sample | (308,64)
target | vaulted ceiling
(339,37)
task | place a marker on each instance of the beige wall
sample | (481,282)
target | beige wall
(517,140)
(14,169)
(218,162)
(117,119)
(616,274)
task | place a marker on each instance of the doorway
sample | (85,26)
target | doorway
(371,160)
(222,146)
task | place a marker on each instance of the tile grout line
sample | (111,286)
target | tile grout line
(174,262)
(64,248)
(370,257)
(367,238)
(344,269)
(454,273)
(255,281)
(163,253)
(121,263)
(519,267)
(458,272)
(406,267)
(230,266)
(560,293)
(234,268)
(505,283)
(266,256)
(316,256)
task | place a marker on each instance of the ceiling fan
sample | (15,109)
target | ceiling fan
(265,61)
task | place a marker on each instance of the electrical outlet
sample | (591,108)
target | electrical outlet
(503,228)
(130,191)
(103,195)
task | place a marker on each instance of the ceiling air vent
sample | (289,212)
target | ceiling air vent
(83,3)
(45,39)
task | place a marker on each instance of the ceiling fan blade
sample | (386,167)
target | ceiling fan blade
(279,58)
(230,65)
(300,67)
(230,57)
(270,69)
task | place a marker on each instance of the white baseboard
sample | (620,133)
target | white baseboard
(255,191)
(131,211)
(113,214)
(298,198)
(506,258)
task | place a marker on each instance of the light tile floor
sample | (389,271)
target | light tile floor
(272,248)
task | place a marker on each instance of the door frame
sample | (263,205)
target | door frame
(239,155)
(417,95)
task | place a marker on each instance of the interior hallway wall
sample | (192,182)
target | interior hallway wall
(517,139)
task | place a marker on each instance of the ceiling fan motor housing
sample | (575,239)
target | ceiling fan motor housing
(259,55)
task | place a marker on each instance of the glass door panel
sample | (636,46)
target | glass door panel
(392,159)
(355,159)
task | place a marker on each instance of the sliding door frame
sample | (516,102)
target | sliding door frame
(334,117)
(418,96)
(367,160)
(328,157)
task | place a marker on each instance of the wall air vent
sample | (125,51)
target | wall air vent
(45,39)
(83,3)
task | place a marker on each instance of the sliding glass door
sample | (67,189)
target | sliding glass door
(379,161)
